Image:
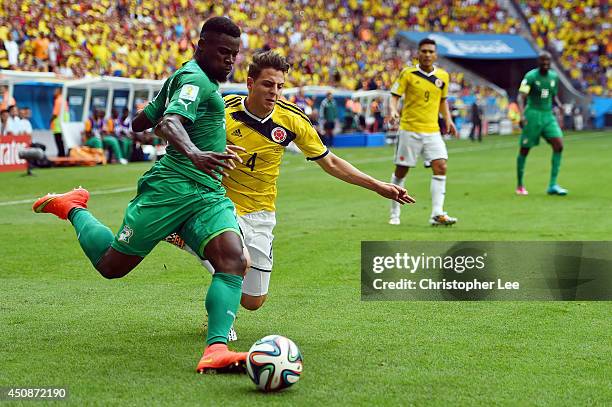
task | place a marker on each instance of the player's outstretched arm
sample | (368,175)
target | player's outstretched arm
(171,129)
(341,169)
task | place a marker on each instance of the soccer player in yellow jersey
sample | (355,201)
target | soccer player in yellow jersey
(424,89)
(264,125)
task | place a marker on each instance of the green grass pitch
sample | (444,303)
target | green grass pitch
(136,341)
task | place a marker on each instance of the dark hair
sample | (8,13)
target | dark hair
(425,41)
(4,111)
(10,107)
(220,25)
(267,59)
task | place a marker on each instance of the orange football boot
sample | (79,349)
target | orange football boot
(61,204)
(218,358)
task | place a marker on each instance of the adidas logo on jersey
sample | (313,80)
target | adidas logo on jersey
(236,133)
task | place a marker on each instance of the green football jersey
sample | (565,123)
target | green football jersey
(540,89)
(189,92)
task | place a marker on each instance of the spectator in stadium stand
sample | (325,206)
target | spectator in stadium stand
(342,37)
(12,50)
(56,127)
(41,51)
(4,115)
(476,132)
(329,111)
(24,122)
(13,125)
(6,99)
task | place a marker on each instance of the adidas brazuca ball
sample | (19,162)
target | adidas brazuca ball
(274,363)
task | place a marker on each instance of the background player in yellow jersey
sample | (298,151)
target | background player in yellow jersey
(424,89)
(264,125)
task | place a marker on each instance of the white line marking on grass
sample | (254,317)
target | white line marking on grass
(364,161)
(488,147)
(101,192)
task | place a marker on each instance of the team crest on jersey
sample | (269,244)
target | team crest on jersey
(439,83)
(552,83)
(279,134)
(125,234)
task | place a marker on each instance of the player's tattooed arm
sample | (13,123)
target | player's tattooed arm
(171,129)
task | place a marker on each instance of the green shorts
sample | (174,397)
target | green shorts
(167,202)
(539,124)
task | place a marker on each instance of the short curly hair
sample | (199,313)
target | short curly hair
(220,25)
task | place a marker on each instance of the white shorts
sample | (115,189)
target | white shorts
(411,144)
(257,235)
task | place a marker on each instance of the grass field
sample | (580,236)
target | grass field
(136,341)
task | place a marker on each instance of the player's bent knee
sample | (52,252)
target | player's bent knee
(439,167)
(231,264)
(251,302)
(116,265)
(111,273)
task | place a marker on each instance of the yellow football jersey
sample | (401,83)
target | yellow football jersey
(252,184)
(422,94)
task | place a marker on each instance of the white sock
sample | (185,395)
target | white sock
(395,207)
(438,189)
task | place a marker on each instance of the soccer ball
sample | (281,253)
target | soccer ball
(274,363)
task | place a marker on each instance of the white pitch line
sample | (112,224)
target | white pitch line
(285,170)
(101,192)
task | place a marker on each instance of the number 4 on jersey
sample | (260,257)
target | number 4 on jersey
(251,161)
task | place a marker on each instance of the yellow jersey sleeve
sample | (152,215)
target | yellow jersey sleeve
(306,137)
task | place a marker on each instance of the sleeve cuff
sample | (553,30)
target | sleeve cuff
(187,116)
(318,157)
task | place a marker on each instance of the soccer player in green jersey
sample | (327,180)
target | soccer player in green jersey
(539,87)
(182,192)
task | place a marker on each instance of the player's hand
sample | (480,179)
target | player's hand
(212,163)
(522,123)
(231,149)
(394,119)
(395,193)
(452,129)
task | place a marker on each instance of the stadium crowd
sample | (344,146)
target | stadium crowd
(349,43)
(580,35)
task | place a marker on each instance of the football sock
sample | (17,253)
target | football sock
(222,302)
(93,236)
(554,171)
(395,207)
(520,168)
(438,189)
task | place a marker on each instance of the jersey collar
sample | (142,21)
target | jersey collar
(254,117)
(425,73)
